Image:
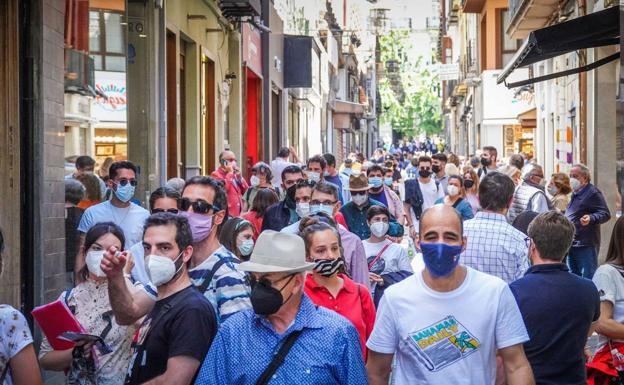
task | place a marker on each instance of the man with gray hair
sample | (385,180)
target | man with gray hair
(587,211)
(530,196)
(176,184)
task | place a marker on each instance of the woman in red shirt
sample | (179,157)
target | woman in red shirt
(328,285)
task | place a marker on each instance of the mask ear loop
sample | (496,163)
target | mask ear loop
(286,284)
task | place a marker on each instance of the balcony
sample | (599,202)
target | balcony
(529,15)
(472,6)
(79,73)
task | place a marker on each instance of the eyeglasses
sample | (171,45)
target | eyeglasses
(124,182)
(324,203)
(172,211)
(200,206)
(252,281)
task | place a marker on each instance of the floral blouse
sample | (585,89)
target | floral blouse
(14,336)
(91,307)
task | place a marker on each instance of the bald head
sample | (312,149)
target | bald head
(227,155)
(441,223)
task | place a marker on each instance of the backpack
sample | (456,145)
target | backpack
(413,196)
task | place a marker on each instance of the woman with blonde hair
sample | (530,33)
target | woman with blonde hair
(471,188)
(559,188)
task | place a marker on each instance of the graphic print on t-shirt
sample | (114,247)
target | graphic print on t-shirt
(378,267)
(443,343)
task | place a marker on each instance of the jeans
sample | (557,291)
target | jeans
(583,261)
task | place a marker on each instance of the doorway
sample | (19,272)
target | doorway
(208,115)
(253,136)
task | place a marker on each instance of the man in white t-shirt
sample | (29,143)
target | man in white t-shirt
(119,210)
(420,194)
(281,161)
(446,324)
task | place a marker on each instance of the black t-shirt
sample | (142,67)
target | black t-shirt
(72,235)
(186,329)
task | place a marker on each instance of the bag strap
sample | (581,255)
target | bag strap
(279,357)
(457,203)
(370,265)
(202,288)
(164,310)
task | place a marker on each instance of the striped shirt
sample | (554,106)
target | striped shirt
(227,291)
(495,247)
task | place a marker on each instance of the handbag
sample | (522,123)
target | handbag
(278,359)
(600,369)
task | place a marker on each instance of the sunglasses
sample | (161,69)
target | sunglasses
(200,206)
(124,182)
(252,281)
(358,193)
(172,211)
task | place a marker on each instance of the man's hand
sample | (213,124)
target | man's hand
(376,278)
(294,154)
(113,262)
(413,233)
(585,219)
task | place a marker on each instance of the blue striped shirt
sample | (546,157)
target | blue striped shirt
(328,351)
(228,291)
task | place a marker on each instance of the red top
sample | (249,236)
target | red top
(255,221)
(353,302)
(341,219)
(235,187)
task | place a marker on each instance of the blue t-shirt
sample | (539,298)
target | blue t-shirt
(380,196)
(131,219)
(558,309)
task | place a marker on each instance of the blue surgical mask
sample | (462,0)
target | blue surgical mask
(440,259)
(327,209)
(347,171)
(376,181)
(388,182)
(246,247)
(326,174)
(124,193)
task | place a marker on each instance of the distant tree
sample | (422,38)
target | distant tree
(409,91)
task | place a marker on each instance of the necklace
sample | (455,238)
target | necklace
(115,218)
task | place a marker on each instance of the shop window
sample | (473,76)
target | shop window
(107,40)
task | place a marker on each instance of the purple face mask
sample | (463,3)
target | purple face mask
(200,224)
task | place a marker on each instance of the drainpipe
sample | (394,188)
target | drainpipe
(582,10)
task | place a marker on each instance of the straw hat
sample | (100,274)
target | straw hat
(277,252)
(359,183)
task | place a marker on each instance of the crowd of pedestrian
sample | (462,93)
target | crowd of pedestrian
(414,266)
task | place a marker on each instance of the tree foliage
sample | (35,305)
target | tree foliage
(409,95)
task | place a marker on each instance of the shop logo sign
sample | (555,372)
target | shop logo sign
(115,97)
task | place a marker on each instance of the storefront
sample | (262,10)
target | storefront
(252,66)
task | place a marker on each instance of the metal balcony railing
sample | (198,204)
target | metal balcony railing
(79,72)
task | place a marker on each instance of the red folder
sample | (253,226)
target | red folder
(55,319)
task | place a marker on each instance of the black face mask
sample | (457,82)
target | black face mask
(424,173)
(435,168)
(289,199)
(486,162)
(468,183)
(265,299)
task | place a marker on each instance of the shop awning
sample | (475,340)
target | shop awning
(528,119)
(342,107)
(597,29)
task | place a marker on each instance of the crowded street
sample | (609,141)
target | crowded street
(315,192)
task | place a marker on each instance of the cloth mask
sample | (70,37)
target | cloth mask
(327,209)
(452,190)
(328,267)
(468,183)
(359,200)
(424,173)
(435,168)
(388,182)
(486,162)
(376,181)
(303,209)
(379,229)
(124,193)
(161,269)
(266,300)
(200,224)
(246,247)
(552,190)
(254,181)
(575,184)
(440,258)
(93,260)
(314,176)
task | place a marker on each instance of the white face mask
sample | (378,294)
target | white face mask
(314,176)
(254,180)
(161,269)
(575,184)
(452,190)
(303,209)
(359,200)
(379,229)
(93,260)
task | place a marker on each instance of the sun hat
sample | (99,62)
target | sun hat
(359,183)
(277,252)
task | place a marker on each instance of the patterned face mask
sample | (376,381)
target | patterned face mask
(328,267)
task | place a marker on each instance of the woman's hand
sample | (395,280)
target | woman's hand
(129,262)
(376,278)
